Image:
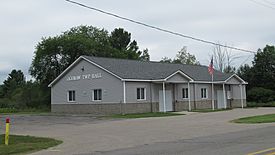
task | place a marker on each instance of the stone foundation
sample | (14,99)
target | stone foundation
(236,103)
(204,104)
(105,109)
(120,108)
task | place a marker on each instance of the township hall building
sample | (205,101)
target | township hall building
(111,86)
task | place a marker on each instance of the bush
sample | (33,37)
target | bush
(255,104)
(260,95)
(7,103)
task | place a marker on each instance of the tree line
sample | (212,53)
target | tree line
(53,55)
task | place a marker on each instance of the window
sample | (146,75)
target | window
(141,94)
(185,93)
(97,95)
(204,93)
(71,96)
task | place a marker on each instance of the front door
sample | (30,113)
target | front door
(168,101)
(220,99)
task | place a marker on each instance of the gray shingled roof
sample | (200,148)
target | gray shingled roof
(133,69)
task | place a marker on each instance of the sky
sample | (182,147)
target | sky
(247,24)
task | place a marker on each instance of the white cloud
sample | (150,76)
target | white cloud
(240,23)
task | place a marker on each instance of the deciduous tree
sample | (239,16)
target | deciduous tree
(182,57)
(54,54)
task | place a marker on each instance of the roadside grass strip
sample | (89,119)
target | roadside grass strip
(25,144)
(209,110)
(145,115)
(270,151)
(23,111)
(269,118)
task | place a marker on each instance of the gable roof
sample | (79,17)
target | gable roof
(126,69)
(149,70)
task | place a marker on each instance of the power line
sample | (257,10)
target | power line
(245,60)
(271,3)
(262,4)
(160,29)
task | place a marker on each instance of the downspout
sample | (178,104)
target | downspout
(194,93)
(151,102)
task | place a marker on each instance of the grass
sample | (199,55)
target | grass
(269,118)
(255,104)
(22,111)
(26,144)
(145,115)
(209,110)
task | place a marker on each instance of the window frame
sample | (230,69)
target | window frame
(185,93)
(73,96)
(204,91)
(93,95)
(140,93)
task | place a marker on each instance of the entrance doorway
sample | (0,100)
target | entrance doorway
(220,99)
(168,101)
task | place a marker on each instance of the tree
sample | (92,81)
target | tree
(244,72)
(182,57)
(145,55)
(166,60)
(260,76)
(15,80)
(54,54)
(223,59)
(229,69)
(1,91)
(120,39)
(264,68)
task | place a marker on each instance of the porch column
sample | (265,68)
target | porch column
(224,96)
(163,94)
(124,92)
(212,93)
(241,89)
(189,98)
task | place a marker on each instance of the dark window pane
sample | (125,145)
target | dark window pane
(95,94)
(70,96)
(100,94)
(142,93)
(138,93)
(73,95)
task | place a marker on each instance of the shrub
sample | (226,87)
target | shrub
(259,95)
(255,104)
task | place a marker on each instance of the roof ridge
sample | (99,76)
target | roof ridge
(158,62)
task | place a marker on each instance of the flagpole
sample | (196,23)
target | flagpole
(211,72)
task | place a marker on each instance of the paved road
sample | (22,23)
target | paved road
(86,134)
(237,143)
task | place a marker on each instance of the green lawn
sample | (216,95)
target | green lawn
(209,110)
(269,118)
(26,144)
(23,111)
(144,115)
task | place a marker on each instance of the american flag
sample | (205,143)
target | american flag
(210,67)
